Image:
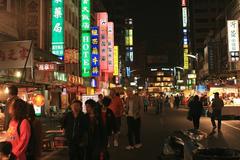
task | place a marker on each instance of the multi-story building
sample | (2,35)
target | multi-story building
(160,80)
(217,62)
(202,19)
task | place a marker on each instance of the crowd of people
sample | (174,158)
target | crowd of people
(161,101)
(90,135)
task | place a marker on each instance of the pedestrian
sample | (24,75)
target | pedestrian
(145,103)
(177,101)
(95,131)
(35,142)
(19,130)
(100,98)
(166,102)
(134,105)
(217,106)
(75,127)
(196,109)
(171,101)
(12,95)
(117,107)
(108,120)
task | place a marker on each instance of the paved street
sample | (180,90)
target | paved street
(155,128)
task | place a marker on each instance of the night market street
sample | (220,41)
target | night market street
(155,128)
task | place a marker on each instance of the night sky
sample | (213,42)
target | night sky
(156,22)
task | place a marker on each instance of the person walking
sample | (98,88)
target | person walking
(108,120)
(19,131)
(12,96)
(117,107)
(171,101)
(177,101)
(95,131)
(146,103)
(75,129)
(217,106)
(195,110)
(134,105)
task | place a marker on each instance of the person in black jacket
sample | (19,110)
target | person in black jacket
(196,109)
(95,132)
(75,126)
(108,121)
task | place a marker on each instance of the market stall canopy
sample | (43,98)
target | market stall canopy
(43,56)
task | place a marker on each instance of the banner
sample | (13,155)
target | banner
(110,46)
(116,66)
(233,40)
(58,28)
(14,54)
(95,57)
(86,53)
(102,22)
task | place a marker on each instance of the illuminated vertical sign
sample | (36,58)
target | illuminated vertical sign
(128,71)
(116,61)
(86,38)
(110,47)
(233,40)
(86,55)
(184,17)
(184,2)
(85,15)
(130,34)
(58,27)
(185,55)
(102,22)
(95,57)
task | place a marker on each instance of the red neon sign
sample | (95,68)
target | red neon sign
(184,2)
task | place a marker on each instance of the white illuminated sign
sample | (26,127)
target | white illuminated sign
(184,16)
(233,40)
(233,36)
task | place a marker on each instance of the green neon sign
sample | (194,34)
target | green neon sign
(85,15)
(86,55)
(58,27)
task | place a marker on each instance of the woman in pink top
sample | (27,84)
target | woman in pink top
(19,140)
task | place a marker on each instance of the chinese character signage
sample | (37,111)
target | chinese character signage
(110,47)
(102,22)
(14,54)
(116,67)
(71,56)
(95,57)
(86,55)
(47,66)
(184,17)
(58,27)
(85,15)
(58,76)
(233,40)
(185,58)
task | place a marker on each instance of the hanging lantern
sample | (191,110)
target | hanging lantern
(39,100)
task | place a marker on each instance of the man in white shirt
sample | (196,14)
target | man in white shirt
(134,104)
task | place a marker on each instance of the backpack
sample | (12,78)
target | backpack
(30,152)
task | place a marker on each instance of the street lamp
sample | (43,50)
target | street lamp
(193,56)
